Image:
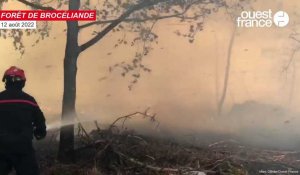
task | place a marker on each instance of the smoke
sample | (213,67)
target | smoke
(184,86)
(265,125)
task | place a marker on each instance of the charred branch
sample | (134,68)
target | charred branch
(135,114)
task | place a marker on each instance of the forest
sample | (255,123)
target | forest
(163,86)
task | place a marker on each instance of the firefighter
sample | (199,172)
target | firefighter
(20,120)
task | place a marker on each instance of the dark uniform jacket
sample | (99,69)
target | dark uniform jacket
(20,119)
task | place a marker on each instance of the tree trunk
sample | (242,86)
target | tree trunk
(292,88)
(217,78)
(66,144)
(227,71)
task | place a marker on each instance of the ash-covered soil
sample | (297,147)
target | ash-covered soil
(106,152)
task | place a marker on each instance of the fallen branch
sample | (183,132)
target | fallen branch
(162,169)
(92,145)
(135,114)
(150,167)
(97,125)
(83,134)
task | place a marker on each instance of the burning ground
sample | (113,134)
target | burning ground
(117,149)
(105,152)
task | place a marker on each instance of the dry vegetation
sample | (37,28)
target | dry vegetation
(122,151)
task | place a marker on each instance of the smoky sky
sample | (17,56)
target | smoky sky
(186,79)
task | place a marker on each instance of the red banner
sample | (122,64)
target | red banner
(45,15)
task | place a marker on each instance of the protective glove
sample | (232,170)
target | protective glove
(39,134)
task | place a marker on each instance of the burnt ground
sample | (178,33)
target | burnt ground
(106,152)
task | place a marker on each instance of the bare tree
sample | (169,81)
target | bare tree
(291,64)
(232,9)
(227,71)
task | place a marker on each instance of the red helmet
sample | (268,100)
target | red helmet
(14,72)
